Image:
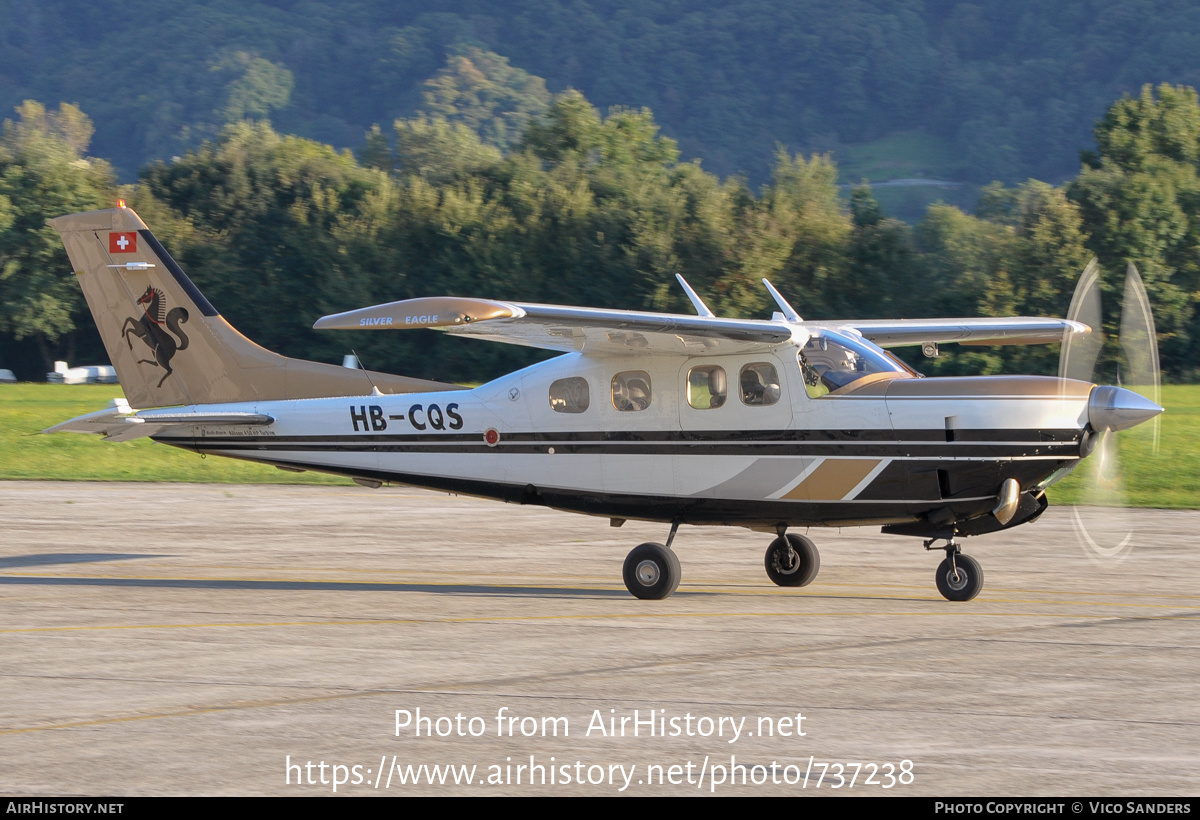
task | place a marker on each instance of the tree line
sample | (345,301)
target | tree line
(560,203)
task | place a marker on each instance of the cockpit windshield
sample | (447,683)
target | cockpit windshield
(832,360)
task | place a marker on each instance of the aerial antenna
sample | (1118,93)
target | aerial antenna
(375,391)
(788,311)
(697,302)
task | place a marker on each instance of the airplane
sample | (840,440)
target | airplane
(771,424)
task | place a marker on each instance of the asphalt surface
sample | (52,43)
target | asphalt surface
(183,639)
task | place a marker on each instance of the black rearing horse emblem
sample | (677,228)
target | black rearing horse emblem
(152,329)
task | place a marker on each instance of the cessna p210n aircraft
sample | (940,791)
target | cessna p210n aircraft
(770,425)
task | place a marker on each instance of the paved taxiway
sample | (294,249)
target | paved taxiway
(181,639)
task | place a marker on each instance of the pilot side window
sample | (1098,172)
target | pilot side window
(631,390)
(570,395)
(707,387)
(759,383)
(830,362)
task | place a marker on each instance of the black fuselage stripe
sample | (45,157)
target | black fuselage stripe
(936,436)
(903,438)
(926,451)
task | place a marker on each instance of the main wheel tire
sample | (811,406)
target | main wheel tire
(962,585)
(651,571)
(804,568)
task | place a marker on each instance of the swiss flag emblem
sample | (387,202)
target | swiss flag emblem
(125,242)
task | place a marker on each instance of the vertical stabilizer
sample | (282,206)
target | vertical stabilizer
(169,345)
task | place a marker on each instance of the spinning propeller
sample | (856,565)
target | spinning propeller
(1107,532)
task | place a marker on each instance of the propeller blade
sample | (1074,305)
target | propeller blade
(1106,532)
(1105,527)
(1140,343)
(1079,353)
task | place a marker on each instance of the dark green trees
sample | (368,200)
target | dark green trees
(1139,194)
(44,172)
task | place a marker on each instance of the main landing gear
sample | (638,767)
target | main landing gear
(652,570)
(959,577)
(792,560)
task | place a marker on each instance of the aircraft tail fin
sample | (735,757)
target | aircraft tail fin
(169,345)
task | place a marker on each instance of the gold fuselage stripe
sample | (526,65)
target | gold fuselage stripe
(832,480)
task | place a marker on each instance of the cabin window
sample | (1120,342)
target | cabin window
(631,390)
(570,395)
(707,387)
(759,383)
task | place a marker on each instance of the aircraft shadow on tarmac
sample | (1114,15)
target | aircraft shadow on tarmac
(317,586)
(46,558)
(352,586)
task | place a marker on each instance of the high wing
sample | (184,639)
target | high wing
(554,327)
(599,331)
(1013,330)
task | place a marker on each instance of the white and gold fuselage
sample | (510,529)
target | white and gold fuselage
(887,452)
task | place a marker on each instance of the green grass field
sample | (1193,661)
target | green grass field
(1170,478)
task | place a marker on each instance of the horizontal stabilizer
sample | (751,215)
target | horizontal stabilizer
(119,422)
(207,419)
